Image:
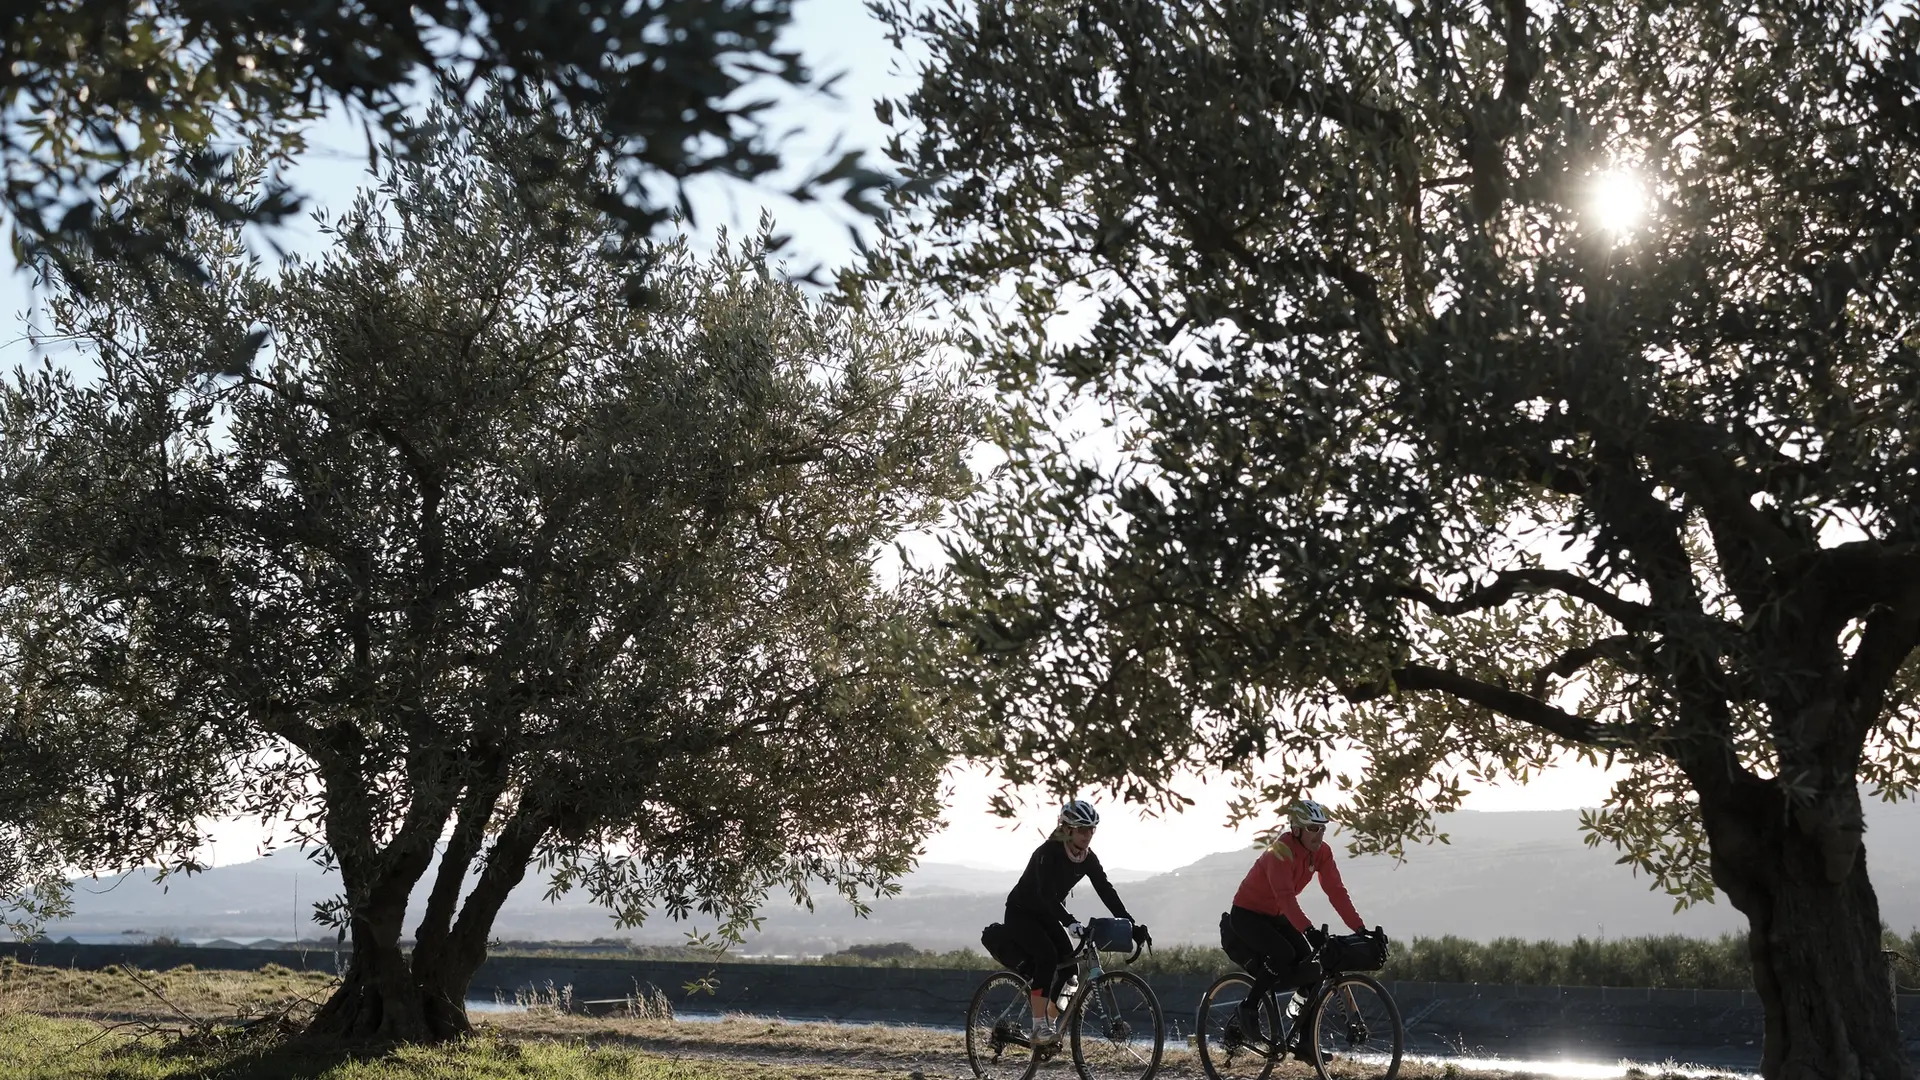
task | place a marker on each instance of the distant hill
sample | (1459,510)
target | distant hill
(1523,874)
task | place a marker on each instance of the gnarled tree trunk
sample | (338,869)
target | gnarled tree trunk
(388,995)
(1800,877)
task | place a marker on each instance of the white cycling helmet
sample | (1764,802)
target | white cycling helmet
(1079,814)
(1306,812)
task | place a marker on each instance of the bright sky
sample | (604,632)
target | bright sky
(840,36)
(1128,840)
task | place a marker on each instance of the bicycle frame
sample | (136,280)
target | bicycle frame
(1320,989)
(1085,960)
(1269,1046)
(1278,997)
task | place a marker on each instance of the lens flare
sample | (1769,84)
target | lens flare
(1619,200)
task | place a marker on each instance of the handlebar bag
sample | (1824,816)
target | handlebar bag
(1111,935)
(1354,952)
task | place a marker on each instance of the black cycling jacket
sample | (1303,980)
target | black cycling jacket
(1050,876)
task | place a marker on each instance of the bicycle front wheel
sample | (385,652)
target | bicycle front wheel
(999,1039)
(1117,1028)
(1356,1024)
(1229,1048)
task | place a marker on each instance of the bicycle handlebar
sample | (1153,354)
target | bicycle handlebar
(1146,943)
(1086,937)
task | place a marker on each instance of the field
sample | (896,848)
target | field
(1669,961)
(214,1025)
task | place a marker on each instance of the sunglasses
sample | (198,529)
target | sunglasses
(1313,828)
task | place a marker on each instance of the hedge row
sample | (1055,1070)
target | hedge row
(1669,961)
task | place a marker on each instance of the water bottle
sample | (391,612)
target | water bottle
(1067,991)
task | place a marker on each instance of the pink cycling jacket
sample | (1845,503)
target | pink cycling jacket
(1273,886)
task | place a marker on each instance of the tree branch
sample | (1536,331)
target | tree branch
(1751,544)
(504,867)
(482,795)
(1508,703)
(1617,648)
(1562,476)
(1509,583)
(1890,637)
(1853,580)
(1523,60)
(1340,106)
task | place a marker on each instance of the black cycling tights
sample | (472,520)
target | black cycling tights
(1044,943)
(1280,946)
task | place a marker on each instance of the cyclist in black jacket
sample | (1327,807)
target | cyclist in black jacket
(1037,912)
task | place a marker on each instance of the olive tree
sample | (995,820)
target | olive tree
(436,546)
(94,88)
(1409,447)
(30,879)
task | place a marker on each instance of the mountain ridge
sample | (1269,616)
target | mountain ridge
(1513,873)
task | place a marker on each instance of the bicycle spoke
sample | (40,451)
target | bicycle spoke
(1228,1050)
(1357,1031)
(1118,1031)
(999,1023)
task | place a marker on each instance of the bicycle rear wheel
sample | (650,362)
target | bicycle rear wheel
(998,1029)
(1227,1050)
(1356,1024)
(1117,1028)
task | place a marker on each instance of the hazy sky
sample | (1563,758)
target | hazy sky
(836,36)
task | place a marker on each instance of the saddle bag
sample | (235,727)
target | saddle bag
(1235,948)
(998,941)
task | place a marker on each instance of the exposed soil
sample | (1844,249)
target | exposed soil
(910,1053)
(762,1047)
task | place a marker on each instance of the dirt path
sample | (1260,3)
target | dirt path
(905,1053)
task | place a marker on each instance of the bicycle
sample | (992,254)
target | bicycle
(1348,1017)
(1107,1018)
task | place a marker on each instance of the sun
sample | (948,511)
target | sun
(1619,200)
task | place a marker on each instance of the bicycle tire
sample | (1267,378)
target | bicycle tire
(1355,1021)
(1224,1052)
(1107,1023)
(997,1021)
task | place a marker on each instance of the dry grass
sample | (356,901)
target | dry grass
(756,1032)
(132,994)
(36,1048)
(736,1047)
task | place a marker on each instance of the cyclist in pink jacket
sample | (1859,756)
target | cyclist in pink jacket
(1266,914)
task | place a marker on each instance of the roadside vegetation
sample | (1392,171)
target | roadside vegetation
(543,1044)
(1666,961)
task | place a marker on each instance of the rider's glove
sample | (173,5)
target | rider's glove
(1077,930)
(1140,933)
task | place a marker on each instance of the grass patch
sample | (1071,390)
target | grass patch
(566,1048)
(56,1024)
(41,1048)
(132,994)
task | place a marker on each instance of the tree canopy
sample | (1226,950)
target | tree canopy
(439,546)
(94,87)
(1403,444)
